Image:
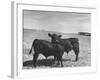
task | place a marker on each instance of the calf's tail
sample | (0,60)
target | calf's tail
(30,50)
(31,47)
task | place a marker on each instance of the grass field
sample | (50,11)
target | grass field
(68,60)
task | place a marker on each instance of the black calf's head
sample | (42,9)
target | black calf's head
(54,38)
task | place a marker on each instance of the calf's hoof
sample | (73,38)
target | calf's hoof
(57,63)
(76,60)
(62,66)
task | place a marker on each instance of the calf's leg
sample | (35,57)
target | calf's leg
(76,50)
(57,61)
(61,62)
(35,59)
(77,54)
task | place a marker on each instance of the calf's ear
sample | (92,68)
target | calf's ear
(49,34)
(59,35)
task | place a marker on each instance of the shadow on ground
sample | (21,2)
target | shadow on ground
(43,62)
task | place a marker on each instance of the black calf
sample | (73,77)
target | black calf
(47,49)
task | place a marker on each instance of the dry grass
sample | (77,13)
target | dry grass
(68,60)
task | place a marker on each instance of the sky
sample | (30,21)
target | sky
(66,22)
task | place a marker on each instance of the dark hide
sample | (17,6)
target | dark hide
(68,44)
(47,49)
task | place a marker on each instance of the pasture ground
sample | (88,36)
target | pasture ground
(68,60)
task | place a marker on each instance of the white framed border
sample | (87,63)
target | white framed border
(16,69)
